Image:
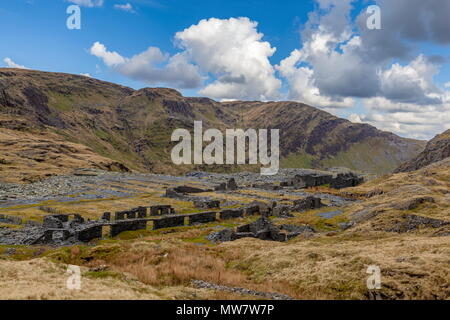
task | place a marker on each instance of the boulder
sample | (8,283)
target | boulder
(231,184)
(221,187)
(207,204)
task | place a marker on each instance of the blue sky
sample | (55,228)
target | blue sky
(319,52)
(39,36)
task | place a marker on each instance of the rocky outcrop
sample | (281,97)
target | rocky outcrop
(436,150)
(411,222)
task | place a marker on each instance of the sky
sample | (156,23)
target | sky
(325,53)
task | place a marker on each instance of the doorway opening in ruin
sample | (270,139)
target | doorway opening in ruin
(106,231)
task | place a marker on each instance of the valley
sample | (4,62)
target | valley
(87,180)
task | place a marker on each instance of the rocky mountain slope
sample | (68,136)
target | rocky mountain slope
(132,128)
(436,150)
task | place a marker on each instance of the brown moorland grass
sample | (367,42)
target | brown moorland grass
(167,264)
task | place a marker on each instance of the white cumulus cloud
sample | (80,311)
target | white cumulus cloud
(152,67)
(340,61)
(11,64)
(302,84)
(232,50)
(421,124)
(111,59)
(412,83)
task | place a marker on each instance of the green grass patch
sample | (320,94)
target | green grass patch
(104,274)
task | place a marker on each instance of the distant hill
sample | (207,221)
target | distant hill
(436,150)
(132,128)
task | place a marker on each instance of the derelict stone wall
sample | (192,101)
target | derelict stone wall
(127,225)
(89,233)
(203,217)
(231,214)
(168,222)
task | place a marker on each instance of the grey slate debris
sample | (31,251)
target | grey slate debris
(267,295)
(207,204)
(262,229)
(412,222)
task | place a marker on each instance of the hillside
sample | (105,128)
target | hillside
(436,150)
(133,127)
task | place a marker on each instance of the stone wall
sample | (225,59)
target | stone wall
(127,225)
(252,210)
(187,189)
(120,215)
(204,217)
(168,222)
(51,235)
(259,207)
(346,180)
(230,185)
(141,212)
(55,221)
(266,186)
(106,216)
(282,211)
(60,230)
(161,210)
(308,180)
(307,203)
(311,180)
(231,214)
(90,233)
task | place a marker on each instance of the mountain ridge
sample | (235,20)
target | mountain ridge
(134,127)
